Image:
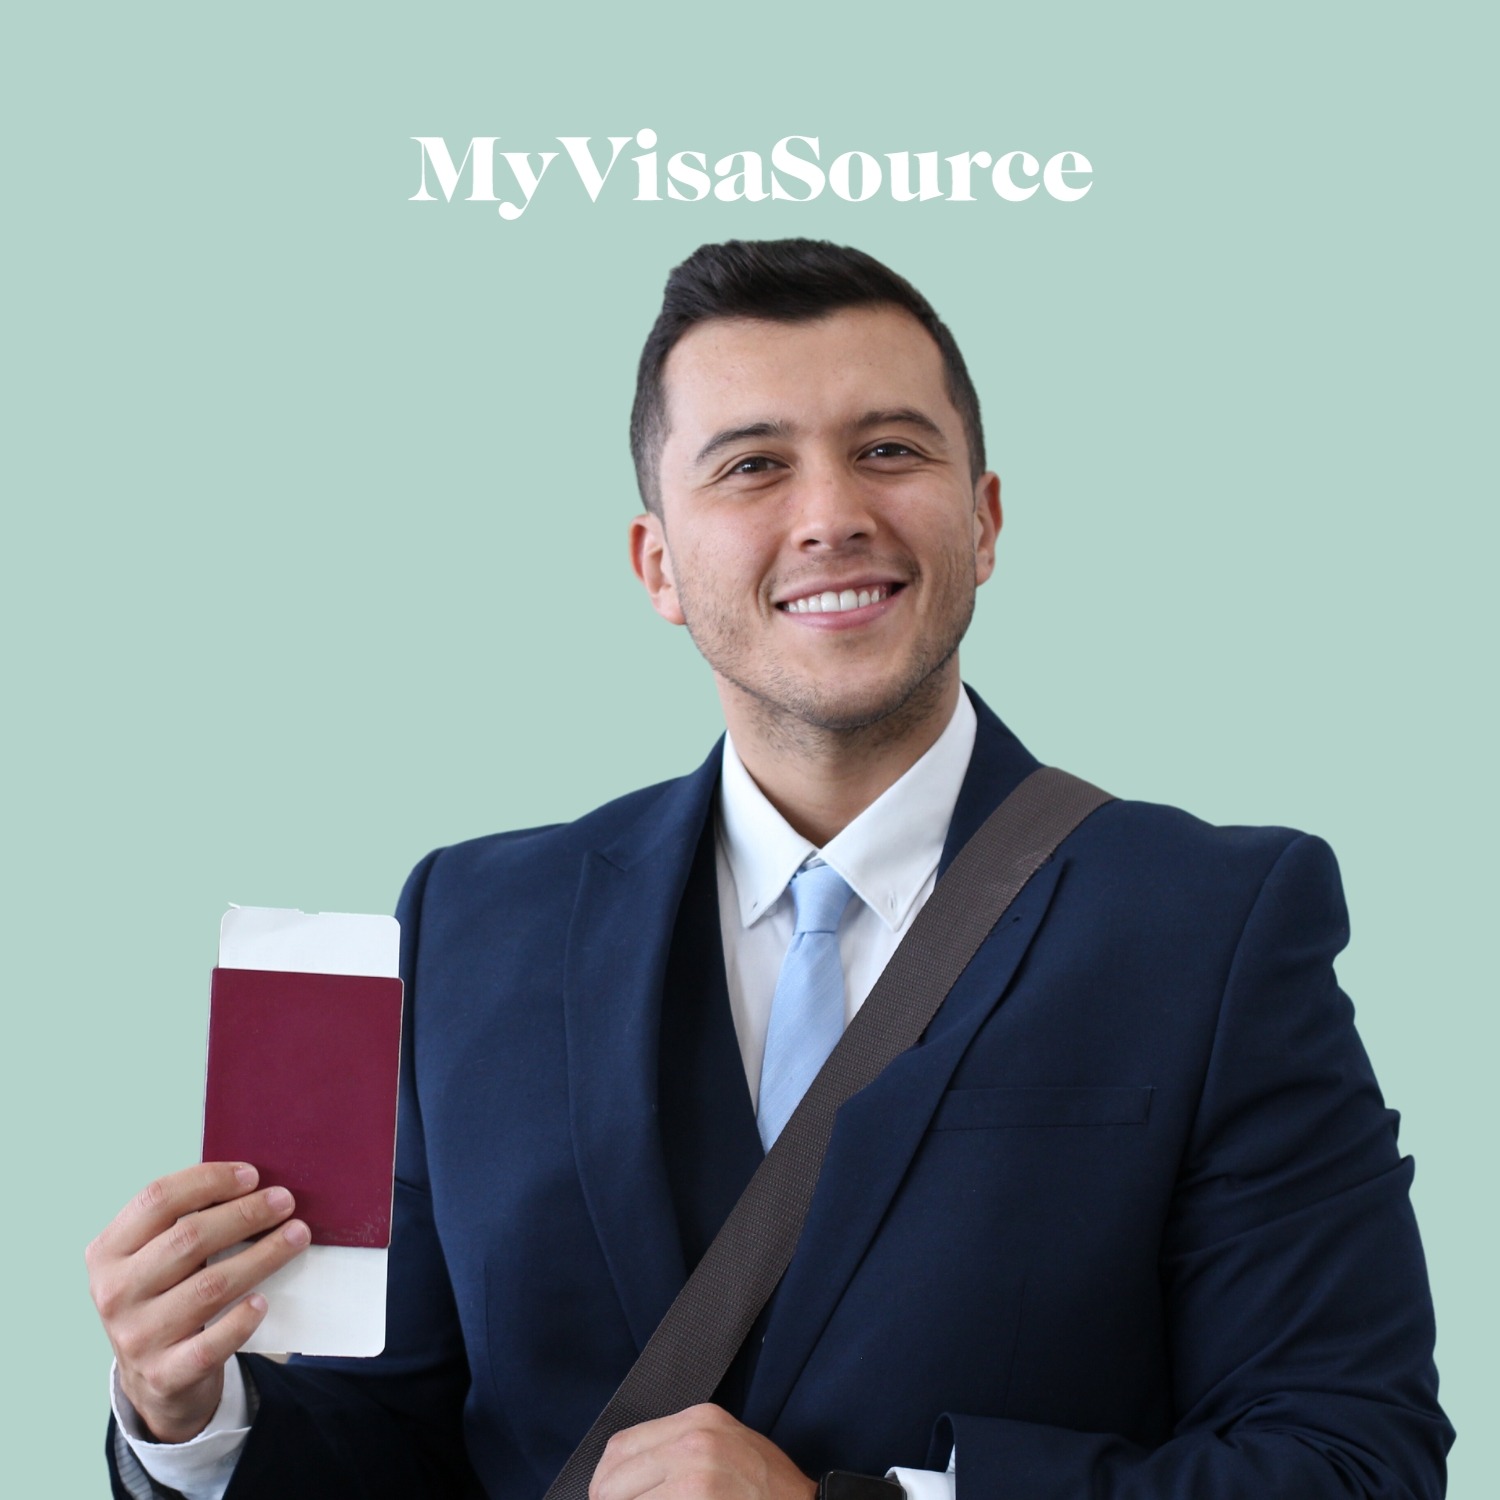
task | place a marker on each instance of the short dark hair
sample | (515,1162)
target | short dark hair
(784,281)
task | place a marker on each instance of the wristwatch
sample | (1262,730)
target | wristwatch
(840,1484)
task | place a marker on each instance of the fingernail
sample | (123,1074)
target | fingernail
(278,1199)
(257,1302)
(297,1233)
(245,1175)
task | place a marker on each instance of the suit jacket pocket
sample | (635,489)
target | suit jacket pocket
(1016,1108)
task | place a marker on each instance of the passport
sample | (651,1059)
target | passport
(302,1083)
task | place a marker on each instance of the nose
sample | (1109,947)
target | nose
(832,508)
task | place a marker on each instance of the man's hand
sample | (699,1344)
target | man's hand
(155,1291)
(698,1454)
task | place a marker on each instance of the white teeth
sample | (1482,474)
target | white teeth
(829,602)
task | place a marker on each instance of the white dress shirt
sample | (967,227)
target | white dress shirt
(889,856)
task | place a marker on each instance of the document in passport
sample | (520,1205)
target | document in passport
(304,1049)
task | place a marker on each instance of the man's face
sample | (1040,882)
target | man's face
(820,536)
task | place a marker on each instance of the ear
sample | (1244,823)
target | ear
(988,519)
(653,566)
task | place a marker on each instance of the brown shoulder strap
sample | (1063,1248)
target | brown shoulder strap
(695,1343)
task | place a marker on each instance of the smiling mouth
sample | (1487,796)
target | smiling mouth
(832,602)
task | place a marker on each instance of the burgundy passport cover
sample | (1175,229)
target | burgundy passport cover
(302,1081)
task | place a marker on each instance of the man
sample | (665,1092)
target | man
(1129,1220)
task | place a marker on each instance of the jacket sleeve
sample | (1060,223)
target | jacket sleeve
(389,1426)
(1300,1321)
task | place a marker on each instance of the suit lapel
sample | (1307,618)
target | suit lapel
(879,1130)
(618,946)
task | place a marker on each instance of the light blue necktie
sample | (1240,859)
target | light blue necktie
(807,1011)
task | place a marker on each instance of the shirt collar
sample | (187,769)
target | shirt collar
(886,854)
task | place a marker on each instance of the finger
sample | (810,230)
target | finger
(183,1310)
(646,1435)
(638,1459)
(166,1200)
(629,1476)
(181,1249)
(176,1390)
(190,1359)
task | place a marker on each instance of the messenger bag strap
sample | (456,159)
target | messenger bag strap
(696,1341)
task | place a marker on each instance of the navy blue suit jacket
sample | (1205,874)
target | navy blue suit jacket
(1130,1220)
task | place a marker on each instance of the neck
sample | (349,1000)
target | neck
(820,778)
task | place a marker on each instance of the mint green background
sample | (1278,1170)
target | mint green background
(316,501)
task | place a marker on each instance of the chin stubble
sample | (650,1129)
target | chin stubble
(790,716)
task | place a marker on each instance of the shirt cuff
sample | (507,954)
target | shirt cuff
(201,1467)
(925,1484)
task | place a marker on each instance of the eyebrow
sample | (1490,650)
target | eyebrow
(732,435)
(901,416)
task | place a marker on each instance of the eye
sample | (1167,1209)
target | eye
(892,449)
(756,463)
